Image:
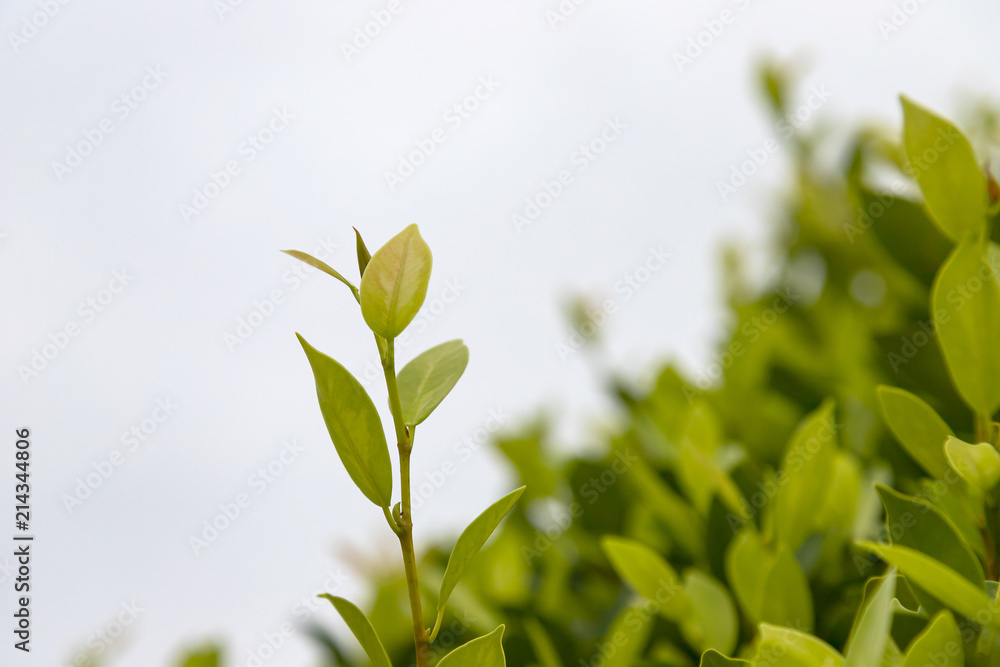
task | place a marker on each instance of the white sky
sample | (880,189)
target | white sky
(339,127)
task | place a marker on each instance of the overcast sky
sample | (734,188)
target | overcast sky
(155,156)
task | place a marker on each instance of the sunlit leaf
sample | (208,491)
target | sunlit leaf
(362,629)
(325,268)
(471,541)
(395,283)
(945,166)
(966,303)
(870,634)
(785,647)
(917,427)
(939,644)
(482,652)
(354,425)
(425,381)
(977,464)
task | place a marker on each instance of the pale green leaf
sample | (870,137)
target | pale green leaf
(977,464)
(939,644)
(804,476)
(966,306)
(917,427)
(482,652)
(471,541)
(769,585)
(425,381)
(363,255)
(938,579)
(712,658)
(712,622)
(325,268)
(395,283)
(785,647)
(354,425)
(362,629)
(870,634)
(944,164)
(648,573)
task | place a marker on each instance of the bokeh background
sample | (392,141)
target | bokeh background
(184,383)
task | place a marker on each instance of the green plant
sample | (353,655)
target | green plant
(392,289)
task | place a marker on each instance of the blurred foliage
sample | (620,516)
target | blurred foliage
(745,494)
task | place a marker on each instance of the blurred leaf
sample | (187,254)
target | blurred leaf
(917,428)
(541,644)
(978,464)
(942,161)
(940,644)
(395,283)
(966,306)
(871,630)
(770,586)
(354,425)
(712,622)
(648,573)
(208,657)
(785,647)
(938,579)
(715,659)
(325,268)
(425,381)
(482,652)
(362,629)
(471,541)
(804,476)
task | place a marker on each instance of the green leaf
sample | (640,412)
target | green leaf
(354,425)
(425,381)
(804,476)
(870,634)
(785,647)
(362,629)
(769,585)
(363,255)
(541,644)
(470,542)
(917,427)
(938,579)
(712,622)
(966,306)
(482,652)
(945,166)
(629,632)
(325,268)
(395,283)
(713,658)
(915,523)
(206,657)
(977,464)
(939,644)
(682,521)
(648,573)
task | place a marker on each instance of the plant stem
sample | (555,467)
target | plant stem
(404,441)
(984,428)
